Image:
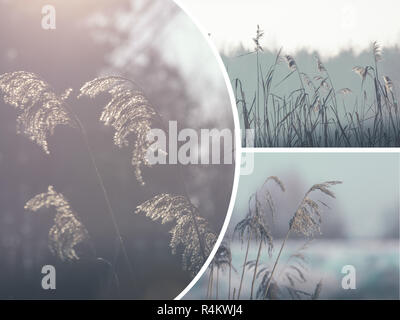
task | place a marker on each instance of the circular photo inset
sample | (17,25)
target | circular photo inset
(117,149)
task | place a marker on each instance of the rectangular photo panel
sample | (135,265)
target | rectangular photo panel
(310,226)
(310,75)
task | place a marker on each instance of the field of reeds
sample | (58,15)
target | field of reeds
(268,276)
(285,243)
(312,112)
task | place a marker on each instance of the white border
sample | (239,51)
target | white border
(237,144)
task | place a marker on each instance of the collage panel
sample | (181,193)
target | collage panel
(117,148)
(309,226)
(307,74)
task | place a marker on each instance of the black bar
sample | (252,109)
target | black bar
(207,309)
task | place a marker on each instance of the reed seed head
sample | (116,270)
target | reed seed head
(291,62)
(320,65)
(128,112)
(361,71)
(344,91)
(67,231)
(259,35)
(388,83)
(377,50)
(189,232)
(41,108)
(307,219)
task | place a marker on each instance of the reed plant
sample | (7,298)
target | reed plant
(131,115)
(271,276)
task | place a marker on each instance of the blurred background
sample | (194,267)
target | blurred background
(361,228)
(155,44)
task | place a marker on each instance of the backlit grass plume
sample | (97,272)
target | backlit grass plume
(67,231)
(41,108)
(307,218)
(191,233)
(127,112)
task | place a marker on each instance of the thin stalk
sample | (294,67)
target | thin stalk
(208,285)
(211,282)
(255,270)
(217,286)
(276,262)
(102,186)
(230,280)
(201,244)
(244,265)
(258,97)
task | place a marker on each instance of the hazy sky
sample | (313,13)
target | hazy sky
(366,201)
(324,25)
